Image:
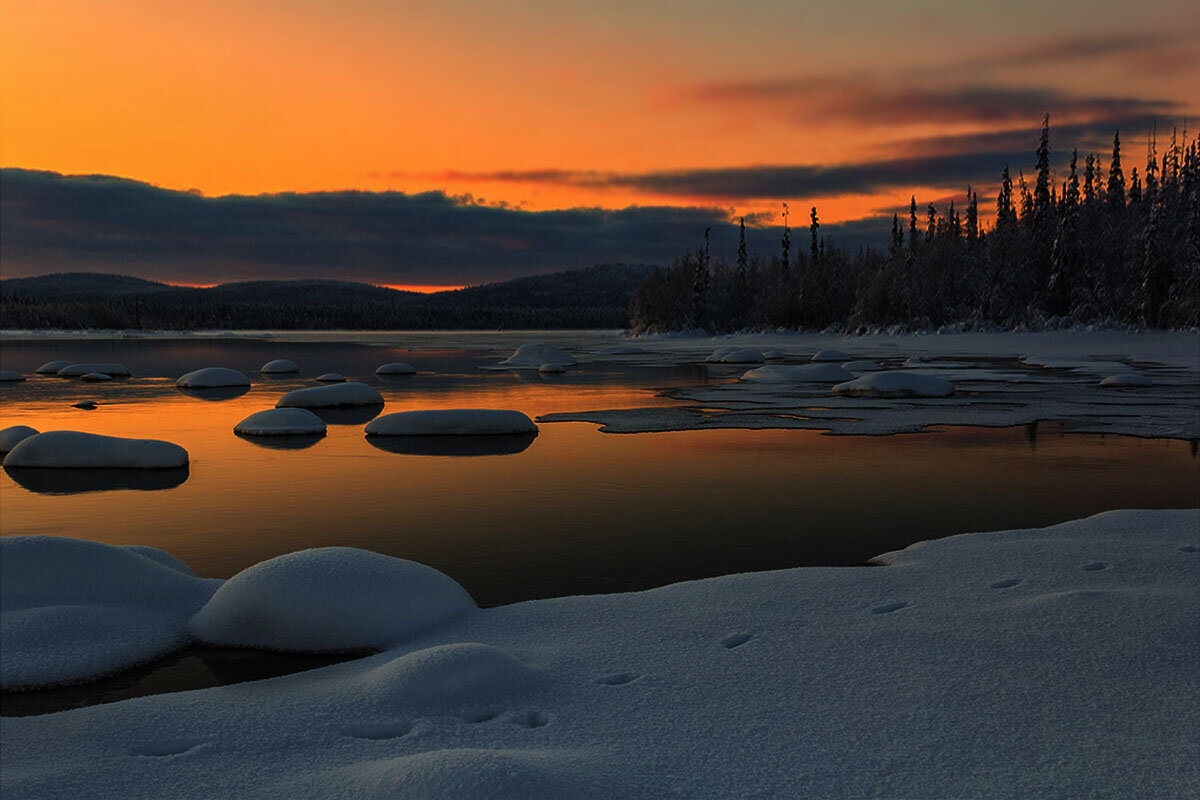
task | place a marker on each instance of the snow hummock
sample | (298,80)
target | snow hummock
(95,377)
(281,422)
(8,376)
(52,367)
(451,422)
(10,437)
(831,355)
(802,373)
(735,355)
(1127,379)
(544,368)
(212,378)
(329,599)
(336,395)
(895,384)
(279,365)
(72,609)
(77,370)
(395,368)
(534,354)
(621,350)
(331,377)
(72,449)
(862,366)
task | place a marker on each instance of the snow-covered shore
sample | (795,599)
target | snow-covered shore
(1058,662)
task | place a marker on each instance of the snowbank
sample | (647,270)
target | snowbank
(396,368)
(831,355)
(212,378)
(78,370)
(534,354)
(329,599)
(72,449)
(735,355)
(1131,379)
(10,437)
(895,384)
(452,422)
(73,609)
(279,366)
(8,376)
(331,377)
(803,373)
(53,367)
(281,422)
(338,395)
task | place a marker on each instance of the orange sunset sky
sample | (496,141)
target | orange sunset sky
(555,105)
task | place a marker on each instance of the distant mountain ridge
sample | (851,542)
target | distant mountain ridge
(595,296)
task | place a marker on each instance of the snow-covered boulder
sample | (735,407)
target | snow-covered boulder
(452,422)
(72,609)
(895,384)
(396,368)
(95,377)
(1129,379)
(78,370)
(8,376)
(736,355)
(862,366)
(331,377)
(831,355)
(534,354)
(337,395)
(53,367)
(279,366)
(803,373)
(212,378)
(621,350)
(329,599)
(281,422)
(551,368)
(72,449)
(12,436)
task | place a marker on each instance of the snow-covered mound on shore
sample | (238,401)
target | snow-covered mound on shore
(212,378)
(1130,379)
(75,450)
(280,366)
(895,384)
(79,370)
(338,395)
(801,373)
(735,355)
(8,376)
(281,422)
(53,367)
(72,609)
(452,422)
(534,354)
(830,355)
(12,436)
(329,599)
(395,368)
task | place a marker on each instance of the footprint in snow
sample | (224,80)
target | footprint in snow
(161,748)
(1007,583)
(888,608)
(617,678)
(736,640)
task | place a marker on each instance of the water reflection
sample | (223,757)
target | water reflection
(347,416)
(454,445)
(78,481)
(214,394)
(301,441)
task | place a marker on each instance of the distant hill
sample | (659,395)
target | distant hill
(595,297)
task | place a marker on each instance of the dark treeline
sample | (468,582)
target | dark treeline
(1105,245)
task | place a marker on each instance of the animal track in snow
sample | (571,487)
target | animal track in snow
(166,747)
(1008,583)
(736,640)
(378,730)
(1095,566)
(617,678)
(888,608)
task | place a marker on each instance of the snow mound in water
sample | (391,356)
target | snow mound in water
(331,377)
(534,354)
(1127,379)
(212,378)
(12,436)
(895,384)
(830,355)
(329,599)
(73,609)
(396,368)
(862,366)
(53,367)
(551,368)
(621,350)
(96,377)
(78,370)
(338,395)
(452,422)
(8,376)
(278,366)
(735,355)
(72,449)
(281,422)
(803,373)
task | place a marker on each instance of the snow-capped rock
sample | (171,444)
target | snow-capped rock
(72,449)
(212,378)
(95,377)
(78,370)
(452,422)
(53,367)
(281,422)
(395,368)
(862,366)
(772,354)
(1129,379)
(895,384)
(551,368)
(10,437)
(331,377)
(534,354)
(279,366)
(916,361)
(831,355)
(8,376)
(803,373)
(337,395)
(735,355)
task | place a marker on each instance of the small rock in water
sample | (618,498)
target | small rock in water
(8,376)
(85,404)
(279,366)
(332,377)
(53,367)
(396,368)
(552,368)
(94,377)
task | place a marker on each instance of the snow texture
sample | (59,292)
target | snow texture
(10,437)
(8,376)
(329,599)
(53,367)
(831,355)
(532,355)
(396,368)
(895,384)
(78,370)
(75,450)
(1058,662)
(279,366)
(451,422)
(338,395)
(331,377)
(799,373)
(212,378)
(281,422)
